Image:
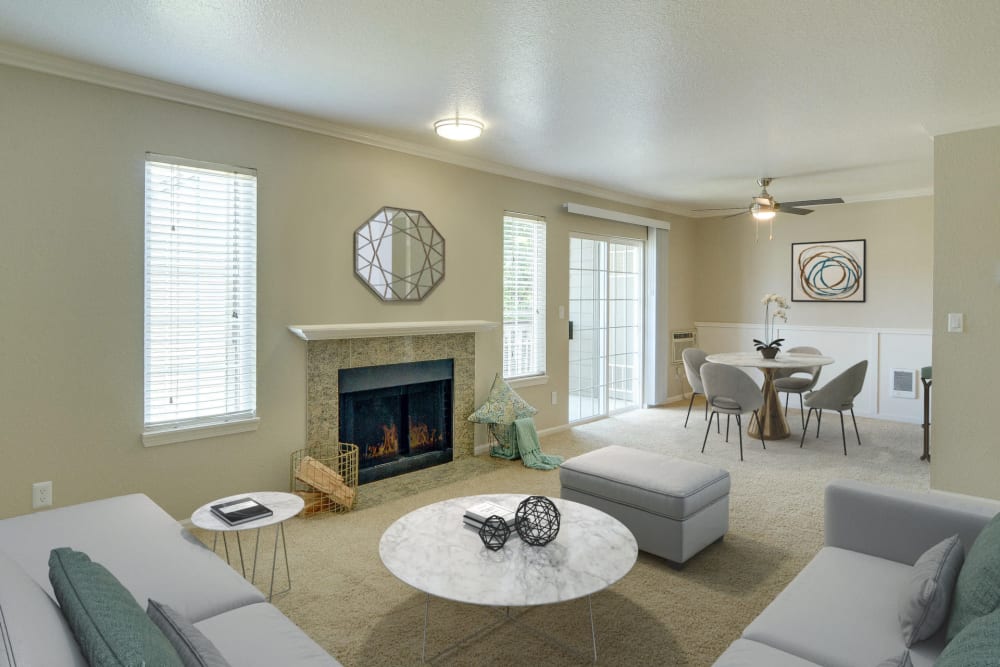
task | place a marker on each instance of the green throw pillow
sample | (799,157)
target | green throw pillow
(109,625)
(978,645)
(977,591)
(502,406)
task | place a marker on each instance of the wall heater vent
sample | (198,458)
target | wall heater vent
(904,382)
(680,341)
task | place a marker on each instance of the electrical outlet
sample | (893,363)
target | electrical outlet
(555,398)
(41,495)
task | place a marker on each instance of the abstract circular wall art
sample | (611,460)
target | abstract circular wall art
(829,271)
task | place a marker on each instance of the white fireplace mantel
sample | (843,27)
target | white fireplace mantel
(384,329)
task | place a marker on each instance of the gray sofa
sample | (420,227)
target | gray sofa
(153,556)
(842,609)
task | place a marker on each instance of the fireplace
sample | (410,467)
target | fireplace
(399,416)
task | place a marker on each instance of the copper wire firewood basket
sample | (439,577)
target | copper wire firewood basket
(325,477)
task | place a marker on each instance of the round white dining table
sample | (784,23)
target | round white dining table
(773,425)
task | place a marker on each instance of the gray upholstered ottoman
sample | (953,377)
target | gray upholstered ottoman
(674,508)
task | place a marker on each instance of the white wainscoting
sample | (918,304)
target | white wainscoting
(884,349)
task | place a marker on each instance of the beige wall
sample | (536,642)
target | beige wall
(966,451)
(734,272)
(71,281)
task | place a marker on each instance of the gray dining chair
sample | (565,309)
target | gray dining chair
(694,359)
(837,394)
(791,381)
(730,391)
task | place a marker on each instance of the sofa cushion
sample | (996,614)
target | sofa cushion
(977,591)
(259,634)
(34,630)
(748,653)
(194,648)
(840,611)
(977,645)
(109,625)
(924,603)
(151,554)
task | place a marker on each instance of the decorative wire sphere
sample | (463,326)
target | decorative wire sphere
(537,520)
(494,533)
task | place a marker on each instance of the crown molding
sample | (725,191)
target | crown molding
(47,63)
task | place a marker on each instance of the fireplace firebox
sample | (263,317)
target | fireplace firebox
(399,416)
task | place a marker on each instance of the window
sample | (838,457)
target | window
(523,296)
(201,300)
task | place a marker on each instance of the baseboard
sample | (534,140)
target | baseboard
(669,400)
(484,448)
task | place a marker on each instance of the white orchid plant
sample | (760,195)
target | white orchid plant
(781,309)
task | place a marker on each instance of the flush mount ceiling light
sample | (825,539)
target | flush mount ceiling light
(458,129)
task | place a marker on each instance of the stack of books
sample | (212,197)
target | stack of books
(480,512)
(241,510)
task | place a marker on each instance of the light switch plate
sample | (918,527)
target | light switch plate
(956,323)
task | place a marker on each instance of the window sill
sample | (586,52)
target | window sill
(170,435)
(530,381)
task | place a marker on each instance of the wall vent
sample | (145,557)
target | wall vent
(680,341)
(903,382)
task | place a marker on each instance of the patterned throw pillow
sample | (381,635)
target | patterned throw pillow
(109,625)
(502,406)
(977,592)
(977,645)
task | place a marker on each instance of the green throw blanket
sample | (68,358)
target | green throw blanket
(522,442)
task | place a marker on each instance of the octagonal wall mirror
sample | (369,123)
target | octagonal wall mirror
(399,254)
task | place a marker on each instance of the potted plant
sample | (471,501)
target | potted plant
(769,347)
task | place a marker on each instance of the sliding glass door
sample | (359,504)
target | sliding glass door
(606,315)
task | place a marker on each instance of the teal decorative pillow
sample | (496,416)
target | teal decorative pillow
(977,591)
(502,406)
(925,601)
(109,625)
(978,645)
(193,647)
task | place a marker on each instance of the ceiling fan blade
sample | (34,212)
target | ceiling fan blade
(794,211)
(726,217)
(728,208)
(811,202)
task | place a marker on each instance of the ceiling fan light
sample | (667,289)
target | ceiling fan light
(458,129)
(762,211)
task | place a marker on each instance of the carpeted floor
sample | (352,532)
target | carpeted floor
(345,599)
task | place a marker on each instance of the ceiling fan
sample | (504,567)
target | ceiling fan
(763,207)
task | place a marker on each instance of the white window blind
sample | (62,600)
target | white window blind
(201,295)
(523,296)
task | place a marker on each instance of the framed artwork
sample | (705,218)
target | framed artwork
(829,271)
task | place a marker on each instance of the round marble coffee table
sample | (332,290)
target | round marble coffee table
(434,551)
(283,506)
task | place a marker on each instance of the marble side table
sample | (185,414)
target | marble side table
(432,550)
(283,507)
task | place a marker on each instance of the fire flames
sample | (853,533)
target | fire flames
(389,445)
(422,437)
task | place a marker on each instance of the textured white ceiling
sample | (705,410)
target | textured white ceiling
(680,102)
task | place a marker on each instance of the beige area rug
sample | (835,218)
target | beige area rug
(346,600)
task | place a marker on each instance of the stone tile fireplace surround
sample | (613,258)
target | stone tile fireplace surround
(330,348)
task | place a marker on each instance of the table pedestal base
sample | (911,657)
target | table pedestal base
(773,425)
(506,617)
